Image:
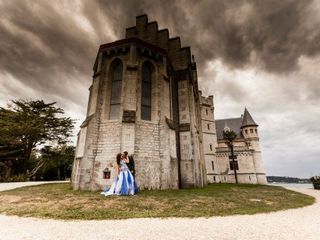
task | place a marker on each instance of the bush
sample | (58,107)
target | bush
(18,178)
(316,182)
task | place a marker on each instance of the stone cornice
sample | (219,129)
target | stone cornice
(123,45)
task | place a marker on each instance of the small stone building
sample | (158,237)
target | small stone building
(144,99)
(219,166)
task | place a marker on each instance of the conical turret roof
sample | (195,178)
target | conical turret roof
(247,119)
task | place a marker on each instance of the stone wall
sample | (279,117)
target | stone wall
(247,161)
(252,138)
(209,137)
(148,31)
(149,141)
(168,149)
(183,72)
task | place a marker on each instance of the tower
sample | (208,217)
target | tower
(209,138)
(249,130)
(143,99)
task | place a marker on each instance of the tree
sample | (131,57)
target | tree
(26,124)
(57,162)
(230,136)
(9,153)
(316,182)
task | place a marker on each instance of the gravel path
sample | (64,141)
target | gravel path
(303,223)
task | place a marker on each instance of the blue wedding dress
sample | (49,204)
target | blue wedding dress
(123,184)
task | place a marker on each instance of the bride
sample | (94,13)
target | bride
(124,183)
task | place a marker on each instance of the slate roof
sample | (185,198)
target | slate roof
(233,123)
(247,119)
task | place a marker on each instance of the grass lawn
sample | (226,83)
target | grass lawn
(59,201)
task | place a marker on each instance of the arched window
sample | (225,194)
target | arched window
(146,91)
(116,81)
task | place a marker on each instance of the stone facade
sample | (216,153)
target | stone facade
(144,99)
(246,147)
(157,120)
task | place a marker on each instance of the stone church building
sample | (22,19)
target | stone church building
(145,99)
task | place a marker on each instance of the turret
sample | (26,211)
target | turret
(249,130)
(249,127)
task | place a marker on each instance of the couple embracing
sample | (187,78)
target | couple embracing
(124,183)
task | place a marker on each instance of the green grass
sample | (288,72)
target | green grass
(59,201)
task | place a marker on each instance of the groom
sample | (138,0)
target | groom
(130,164)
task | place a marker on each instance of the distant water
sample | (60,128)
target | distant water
(293,185)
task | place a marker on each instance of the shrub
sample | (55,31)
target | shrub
(18,178)
(316,182)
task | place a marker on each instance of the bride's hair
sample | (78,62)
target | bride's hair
(119,158)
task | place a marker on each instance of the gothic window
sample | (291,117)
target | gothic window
(212,165)
(208,126)
(256,130)
(146,91)
(246,131)
(251,130)
(116,82)
(210,147)
(206,111)
(235,164)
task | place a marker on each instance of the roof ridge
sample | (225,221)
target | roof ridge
(228,118)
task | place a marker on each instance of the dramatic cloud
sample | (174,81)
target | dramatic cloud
(272,34)
(260,54)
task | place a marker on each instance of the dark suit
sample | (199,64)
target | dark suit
(130,165)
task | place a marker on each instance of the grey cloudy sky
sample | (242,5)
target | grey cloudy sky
(262,54)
